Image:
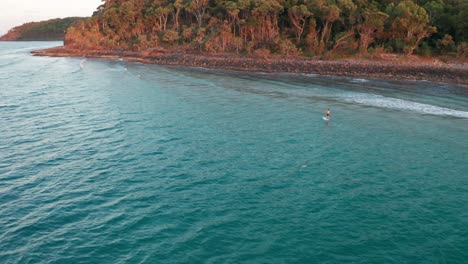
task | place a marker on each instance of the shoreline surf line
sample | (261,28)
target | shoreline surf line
(446,73)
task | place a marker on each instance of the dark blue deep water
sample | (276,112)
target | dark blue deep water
(104,161)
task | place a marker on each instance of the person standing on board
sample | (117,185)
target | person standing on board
(328,114)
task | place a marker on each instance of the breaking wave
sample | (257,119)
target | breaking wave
(399,104)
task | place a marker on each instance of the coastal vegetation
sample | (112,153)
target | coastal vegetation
(49,30)
(286,27)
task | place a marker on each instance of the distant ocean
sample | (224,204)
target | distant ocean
(105,161)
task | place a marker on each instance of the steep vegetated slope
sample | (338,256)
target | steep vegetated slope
(53,29)
(286,27)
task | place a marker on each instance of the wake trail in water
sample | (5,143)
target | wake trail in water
(401,105)
(290,90)
(354,97)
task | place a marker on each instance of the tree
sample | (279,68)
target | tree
(348,19)
(287,47)
(198,9)
(446,43)
(280,26)
(179,5)
(233,13)
(266,13)
(410,23)
(170,36)
(298,16)
(371,22)
(327,13)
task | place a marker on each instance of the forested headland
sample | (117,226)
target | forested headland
(48,30)
(285,27)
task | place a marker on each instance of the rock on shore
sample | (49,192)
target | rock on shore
(395,69)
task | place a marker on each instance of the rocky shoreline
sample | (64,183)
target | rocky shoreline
(385,68)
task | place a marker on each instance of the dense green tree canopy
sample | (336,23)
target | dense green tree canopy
(278,26)
(53,29)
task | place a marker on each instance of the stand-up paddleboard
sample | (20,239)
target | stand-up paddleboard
(325,118)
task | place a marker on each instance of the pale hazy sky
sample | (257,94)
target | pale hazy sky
(16,12)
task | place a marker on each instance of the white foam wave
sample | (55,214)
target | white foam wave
(82,64)
(358,80)
(399,104)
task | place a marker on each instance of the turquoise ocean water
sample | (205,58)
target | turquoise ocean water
(104,161)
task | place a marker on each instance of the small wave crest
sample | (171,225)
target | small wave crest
(82,64)
(399,104)
(358,80)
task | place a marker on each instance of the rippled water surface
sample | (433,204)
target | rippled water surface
(114,162)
